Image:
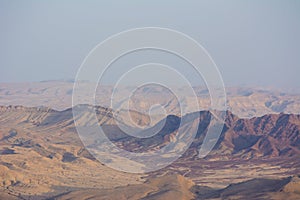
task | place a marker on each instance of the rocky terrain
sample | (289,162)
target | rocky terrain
(178,187)
(42,157)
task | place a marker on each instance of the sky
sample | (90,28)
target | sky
(253,43)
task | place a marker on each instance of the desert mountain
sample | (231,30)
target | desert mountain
(42,155)
(267,136)
(243,102)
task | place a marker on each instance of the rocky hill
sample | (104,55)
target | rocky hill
(42,155)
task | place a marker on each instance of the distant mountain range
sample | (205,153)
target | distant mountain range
(243,102)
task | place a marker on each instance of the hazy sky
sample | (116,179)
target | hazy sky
(252,42)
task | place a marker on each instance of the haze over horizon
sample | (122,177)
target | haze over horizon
(252,44)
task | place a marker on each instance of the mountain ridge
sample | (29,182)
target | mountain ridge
(269,135)
(43,143)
